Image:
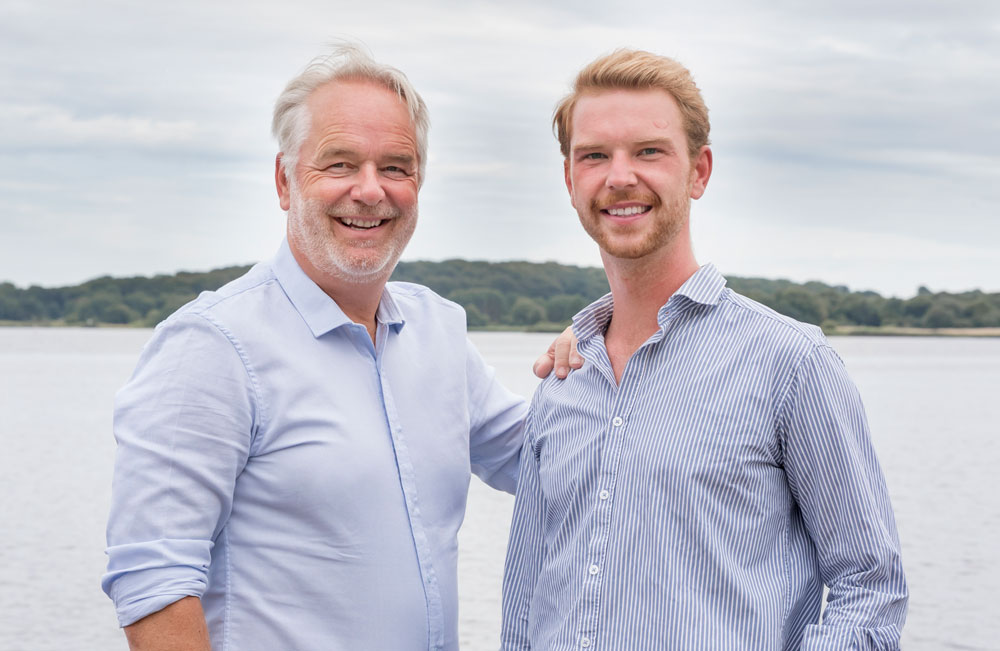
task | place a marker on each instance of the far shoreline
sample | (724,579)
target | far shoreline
(830,331)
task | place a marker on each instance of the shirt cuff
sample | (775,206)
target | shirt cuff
(840,638)
(143,578)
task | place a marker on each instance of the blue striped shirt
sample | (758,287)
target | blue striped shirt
(704,502)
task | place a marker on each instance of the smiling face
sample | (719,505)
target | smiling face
(352,198)
(628,172)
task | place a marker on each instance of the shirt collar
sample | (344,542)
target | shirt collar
(704,287)
(320,312)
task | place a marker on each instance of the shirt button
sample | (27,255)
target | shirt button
(617,421)
(604,495)
(594,569)
(585,642)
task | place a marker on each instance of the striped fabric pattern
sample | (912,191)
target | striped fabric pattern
(706,501)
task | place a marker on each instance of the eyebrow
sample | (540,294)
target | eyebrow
(336,152)
(664,143)
(341,152)
(403,159)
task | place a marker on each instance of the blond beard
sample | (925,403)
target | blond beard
(672,217)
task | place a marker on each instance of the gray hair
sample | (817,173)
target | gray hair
(348,61)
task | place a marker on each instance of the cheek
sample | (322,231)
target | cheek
(327,190)
(577,184)
(403,194)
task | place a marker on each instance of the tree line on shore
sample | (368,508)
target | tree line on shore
(521,295)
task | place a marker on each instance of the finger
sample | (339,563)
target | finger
(543,365)
(562,347)
(575,358)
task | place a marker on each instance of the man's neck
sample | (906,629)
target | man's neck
(640,288)
(359,300)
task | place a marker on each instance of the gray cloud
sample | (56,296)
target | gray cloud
(854,142)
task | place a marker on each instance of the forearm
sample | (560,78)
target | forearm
(178,627)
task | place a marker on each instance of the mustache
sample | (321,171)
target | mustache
(355,209)
(622,196)
(349,208)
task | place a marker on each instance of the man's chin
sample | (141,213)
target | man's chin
(362,269)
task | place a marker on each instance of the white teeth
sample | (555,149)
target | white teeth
(357,223)
(625,212)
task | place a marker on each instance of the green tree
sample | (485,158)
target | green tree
(982,314)
(490,302)
(526,311)
(858,309)
(561,307)
(103,307)
(939,316)
(474,318)
(915,308)
(799,304)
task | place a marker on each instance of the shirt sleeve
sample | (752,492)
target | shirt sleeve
(183,424)
(525,551)
(496,421)
(838,484)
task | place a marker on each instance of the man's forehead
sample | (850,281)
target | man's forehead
(654,100)
(360,110)
(606,112)
(358,100)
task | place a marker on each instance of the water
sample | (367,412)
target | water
(933,404)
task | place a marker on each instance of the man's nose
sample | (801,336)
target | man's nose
(620,172)
(368,187)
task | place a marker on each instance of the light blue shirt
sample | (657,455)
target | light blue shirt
(704,501)
(307,485)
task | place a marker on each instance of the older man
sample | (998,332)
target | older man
(710,468)
(294,449)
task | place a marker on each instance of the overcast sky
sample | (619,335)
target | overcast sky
(855,142)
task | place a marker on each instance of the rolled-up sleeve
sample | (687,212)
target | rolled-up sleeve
(184,425)
(839,486)
(496,424)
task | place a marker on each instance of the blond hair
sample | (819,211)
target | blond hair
(637,70)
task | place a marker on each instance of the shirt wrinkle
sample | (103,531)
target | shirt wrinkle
(259,404)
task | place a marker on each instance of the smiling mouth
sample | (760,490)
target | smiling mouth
(626,212)
(361,224)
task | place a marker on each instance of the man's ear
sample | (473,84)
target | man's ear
(701,170)
(281,183)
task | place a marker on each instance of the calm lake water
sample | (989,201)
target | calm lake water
(934,407)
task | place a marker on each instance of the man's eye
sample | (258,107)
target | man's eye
(396,171)
(594,155)
(648,151)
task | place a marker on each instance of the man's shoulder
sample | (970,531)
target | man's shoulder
(767,323)
(242,293)
(244,300)
(424,299)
